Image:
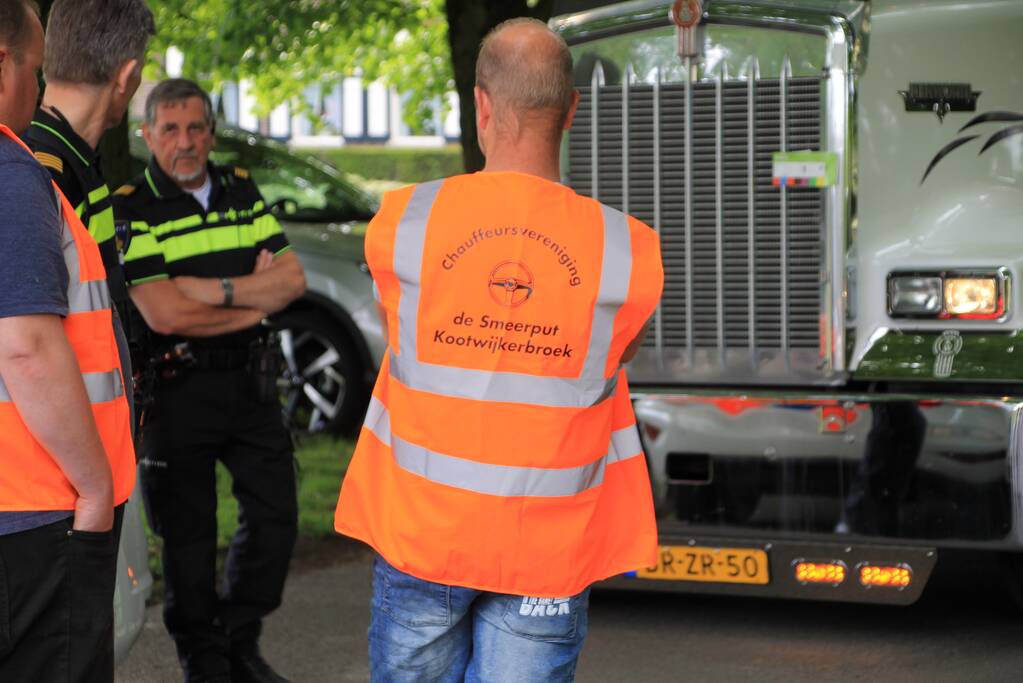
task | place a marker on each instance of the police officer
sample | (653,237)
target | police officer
(94,55)
(206,263)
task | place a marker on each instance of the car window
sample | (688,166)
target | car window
(299,189)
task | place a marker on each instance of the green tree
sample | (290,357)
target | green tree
(283,46)
(420,47)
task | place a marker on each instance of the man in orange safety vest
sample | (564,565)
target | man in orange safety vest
(499,472)
(65,441)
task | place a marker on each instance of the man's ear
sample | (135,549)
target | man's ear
(484,115)
(147,135)
(124,76)
(484,108)
(571,110)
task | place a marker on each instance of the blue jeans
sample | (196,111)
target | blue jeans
(428,632)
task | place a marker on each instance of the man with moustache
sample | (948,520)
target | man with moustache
(206,264)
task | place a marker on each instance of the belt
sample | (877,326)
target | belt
(221,359)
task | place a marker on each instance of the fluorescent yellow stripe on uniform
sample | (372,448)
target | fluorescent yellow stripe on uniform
(180,224)
(265,227)
(235,216)
(209,241)
(101,225)
(143,243)
(100,193)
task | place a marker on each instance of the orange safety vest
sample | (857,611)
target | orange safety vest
(500,449)
(30,478)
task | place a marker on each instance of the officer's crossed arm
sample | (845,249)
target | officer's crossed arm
(41,373)
(168,311)
(269,289)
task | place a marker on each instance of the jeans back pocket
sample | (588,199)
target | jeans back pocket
(410,601)
(546,619)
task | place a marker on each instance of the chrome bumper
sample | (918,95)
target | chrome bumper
(903,470)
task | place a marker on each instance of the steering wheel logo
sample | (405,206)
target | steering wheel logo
(510,284)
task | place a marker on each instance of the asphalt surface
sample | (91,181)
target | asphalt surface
(963,629)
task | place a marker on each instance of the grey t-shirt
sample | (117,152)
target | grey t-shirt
(33,276)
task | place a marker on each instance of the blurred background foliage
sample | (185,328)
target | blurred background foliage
(284,46)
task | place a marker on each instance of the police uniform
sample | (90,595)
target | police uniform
(207,410)
(75,167)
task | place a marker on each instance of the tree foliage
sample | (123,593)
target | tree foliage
(283,46)
(423,48)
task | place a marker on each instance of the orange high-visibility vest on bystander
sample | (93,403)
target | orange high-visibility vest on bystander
(500,449)
(31,480)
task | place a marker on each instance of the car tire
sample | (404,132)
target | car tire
(321,382)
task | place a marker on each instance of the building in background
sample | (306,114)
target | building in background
(334,114)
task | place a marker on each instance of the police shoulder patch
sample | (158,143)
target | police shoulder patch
(51,161)
(124,190)
(241,173)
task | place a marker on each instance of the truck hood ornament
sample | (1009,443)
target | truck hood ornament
(686,15)
(940,98)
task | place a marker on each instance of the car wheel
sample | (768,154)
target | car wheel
(320,383)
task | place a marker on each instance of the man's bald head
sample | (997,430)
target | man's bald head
(526,69)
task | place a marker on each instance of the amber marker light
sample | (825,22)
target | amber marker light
(819,572)
(886,576)
(974,297)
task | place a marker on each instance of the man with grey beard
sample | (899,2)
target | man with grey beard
(207,261)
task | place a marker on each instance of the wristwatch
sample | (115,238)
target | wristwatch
(228,287)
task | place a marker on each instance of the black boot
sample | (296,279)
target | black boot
(250,667)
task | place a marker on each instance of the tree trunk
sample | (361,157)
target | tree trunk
(469,21)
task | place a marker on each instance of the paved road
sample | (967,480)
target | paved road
(951,635)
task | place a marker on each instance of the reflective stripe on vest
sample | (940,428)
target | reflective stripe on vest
(492,467)
(101,387)
(34,481)
(499,480)
(591,388)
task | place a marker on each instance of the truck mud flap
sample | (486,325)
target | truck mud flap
(842,572)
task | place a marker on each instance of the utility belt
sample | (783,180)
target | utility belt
(261,360)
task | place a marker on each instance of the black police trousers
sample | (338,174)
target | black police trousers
(57,604)
(196,419)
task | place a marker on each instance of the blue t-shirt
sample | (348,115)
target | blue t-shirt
(33,276)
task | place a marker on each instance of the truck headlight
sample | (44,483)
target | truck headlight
(964,295)
(971,296)
(913,295)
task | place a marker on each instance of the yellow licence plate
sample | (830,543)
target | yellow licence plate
(716,565)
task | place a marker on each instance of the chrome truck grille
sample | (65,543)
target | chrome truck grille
(743,258)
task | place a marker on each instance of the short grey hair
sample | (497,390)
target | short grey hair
(527,82)
(178,90)
(88,40)
(14,18)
